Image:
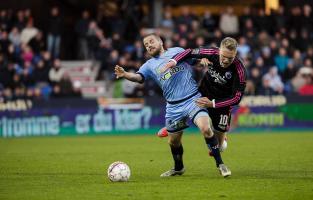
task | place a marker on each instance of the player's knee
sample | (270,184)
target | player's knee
(175,142)
(204,125)
(206,130)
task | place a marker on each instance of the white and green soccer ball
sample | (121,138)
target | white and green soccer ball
(118,172)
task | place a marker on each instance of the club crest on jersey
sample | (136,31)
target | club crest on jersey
(228,75)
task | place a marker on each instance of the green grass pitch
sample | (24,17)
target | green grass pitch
(264,166)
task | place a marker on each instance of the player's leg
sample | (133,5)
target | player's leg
(177,150)
(174,141)
(222,139)
(221,122)
(175,124)
(204,124)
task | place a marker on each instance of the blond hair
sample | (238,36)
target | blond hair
(229,43)
(154,35)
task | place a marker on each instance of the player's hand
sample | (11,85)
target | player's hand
(204,102)
(205,62)
(119,71)
(168,65)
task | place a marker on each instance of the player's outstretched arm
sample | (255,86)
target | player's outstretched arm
(172,62)
(198,53)
(121,73)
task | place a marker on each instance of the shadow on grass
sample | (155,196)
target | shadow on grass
(273,174)
(54,174)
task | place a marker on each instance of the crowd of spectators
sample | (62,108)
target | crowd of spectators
(277,49)
(29,58)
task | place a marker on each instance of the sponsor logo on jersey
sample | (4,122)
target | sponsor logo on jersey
(218,78)
(171,72)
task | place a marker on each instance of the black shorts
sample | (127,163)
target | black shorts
(220,118)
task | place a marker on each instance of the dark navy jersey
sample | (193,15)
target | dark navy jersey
(225,85)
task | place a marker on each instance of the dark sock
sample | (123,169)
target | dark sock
(177,153)
(214,147)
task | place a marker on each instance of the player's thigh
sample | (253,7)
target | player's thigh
(175,119)
(221,118)
(199,116)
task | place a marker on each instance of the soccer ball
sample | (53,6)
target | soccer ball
(118,172)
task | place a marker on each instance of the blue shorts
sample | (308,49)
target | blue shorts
(177,114)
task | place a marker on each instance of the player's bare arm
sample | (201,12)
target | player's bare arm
(121,73)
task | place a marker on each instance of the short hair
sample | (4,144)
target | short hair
(229,43)
(152,34)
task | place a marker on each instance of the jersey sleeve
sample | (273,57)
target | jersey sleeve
(238,87)
(177,49)
(196,53)
(144,71)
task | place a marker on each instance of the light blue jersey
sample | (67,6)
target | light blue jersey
(176,83)
(179,89)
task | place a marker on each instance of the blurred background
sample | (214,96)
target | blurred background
(57,59)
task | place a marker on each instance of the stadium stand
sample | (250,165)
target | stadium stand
(278,45)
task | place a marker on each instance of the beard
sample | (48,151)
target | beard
(155,52)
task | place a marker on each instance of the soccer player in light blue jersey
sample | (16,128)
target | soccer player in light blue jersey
(180,91)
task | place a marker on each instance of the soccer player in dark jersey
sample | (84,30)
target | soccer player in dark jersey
(222,86)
